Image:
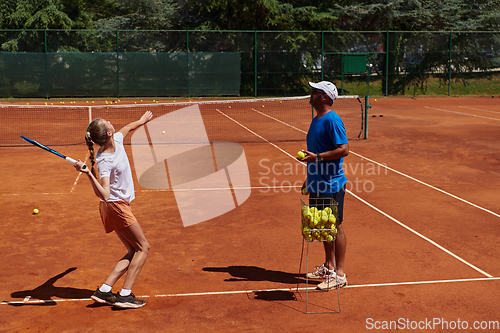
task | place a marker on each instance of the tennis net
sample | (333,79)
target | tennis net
(242,121)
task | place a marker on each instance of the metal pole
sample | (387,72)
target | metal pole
(387,65)
(187,62)
(322,55)
(255,64)
(47,93)
(449,65)
(117,66)
(367,106)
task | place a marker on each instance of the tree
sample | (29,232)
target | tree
(255,15)
(139,15)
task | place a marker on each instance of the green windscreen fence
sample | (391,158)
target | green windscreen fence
(161,63)
(126,74)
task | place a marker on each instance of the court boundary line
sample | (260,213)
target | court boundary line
(27,300)
(380,211)
(462,113)
(428,185)
(403,174)
(470,108)
(421,236)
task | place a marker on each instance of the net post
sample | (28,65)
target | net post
(90,114)
(367,106)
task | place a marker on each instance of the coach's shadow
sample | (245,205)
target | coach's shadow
(47,290)
(252,273)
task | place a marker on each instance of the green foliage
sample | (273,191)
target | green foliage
(258,15)
(139,15)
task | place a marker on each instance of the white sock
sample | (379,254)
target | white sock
(125,292)
(105,288)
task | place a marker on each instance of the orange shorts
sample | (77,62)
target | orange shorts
(116,215)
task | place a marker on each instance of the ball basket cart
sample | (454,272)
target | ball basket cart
(318,218)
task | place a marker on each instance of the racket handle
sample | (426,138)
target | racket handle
(72,161)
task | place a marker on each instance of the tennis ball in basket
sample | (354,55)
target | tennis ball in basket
(301,155)
(36,211)
(331,218)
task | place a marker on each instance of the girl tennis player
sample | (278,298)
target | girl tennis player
(116,191)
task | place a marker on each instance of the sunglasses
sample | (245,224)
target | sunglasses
(317,91)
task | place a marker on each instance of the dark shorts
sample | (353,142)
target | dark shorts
(338,197)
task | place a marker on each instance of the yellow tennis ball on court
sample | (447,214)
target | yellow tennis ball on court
(163,132)
(301,155)
(36,211)
(375,99)
(263,105)
(229,106)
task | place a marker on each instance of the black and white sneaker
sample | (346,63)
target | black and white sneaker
(128,302)
(100,297)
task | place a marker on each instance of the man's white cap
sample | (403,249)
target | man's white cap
(327,87)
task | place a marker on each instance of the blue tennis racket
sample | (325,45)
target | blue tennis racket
(33,142)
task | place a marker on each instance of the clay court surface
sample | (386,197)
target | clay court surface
(421,219)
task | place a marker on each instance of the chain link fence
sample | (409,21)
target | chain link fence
(80,63)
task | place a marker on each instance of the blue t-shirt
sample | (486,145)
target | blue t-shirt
(323,135)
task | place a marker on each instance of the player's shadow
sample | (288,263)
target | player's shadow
(47,290)
(252,273)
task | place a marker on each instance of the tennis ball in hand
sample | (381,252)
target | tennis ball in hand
(301,155)
(36,211)
(304,191)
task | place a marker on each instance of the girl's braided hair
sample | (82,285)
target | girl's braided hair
(96,133)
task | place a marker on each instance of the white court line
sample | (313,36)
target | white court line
(407,176)
(280,187)
(468,107)
(395,220)
(78,177)
(462,113)
(250,291)
(422,236)
(428,185)
(257,135)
